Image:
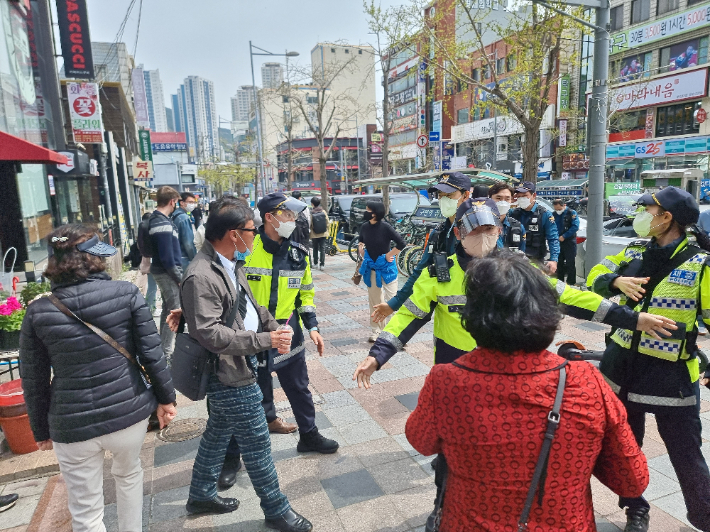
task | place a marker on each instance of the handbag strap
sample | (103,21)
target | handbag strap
(105,337)
(553,421)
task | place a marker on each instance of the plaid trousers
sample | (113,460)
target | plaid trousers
(237,412)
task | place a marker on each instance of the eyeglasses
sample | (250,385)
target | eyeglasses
(254,231)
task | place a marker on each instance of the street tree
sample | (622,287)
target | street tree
(226,177)
(393,28)
(465,51)
(326,112)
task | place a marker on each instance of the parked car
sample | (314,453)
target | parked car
(401,204)
(340,211)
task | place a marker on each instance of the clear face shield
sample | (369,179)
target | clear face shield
(479,215)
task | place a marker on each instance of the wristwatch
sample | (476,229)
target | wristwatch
(313,329)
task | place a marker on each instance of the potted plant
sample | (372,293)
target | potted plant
(11,315)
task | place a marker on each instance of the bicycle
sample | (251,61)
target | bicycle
(331,244)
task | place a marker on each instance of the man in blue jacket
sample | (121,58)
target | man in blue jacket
(183,222)
(567,222)
(539,226)
(166,265)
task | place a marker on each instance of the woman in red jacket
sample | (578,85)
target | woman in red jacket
(488,413)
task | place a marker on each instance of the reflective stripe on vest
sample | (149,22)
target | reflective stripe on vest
(652,399)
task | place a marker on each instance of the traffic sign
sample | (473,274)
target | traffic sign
(434,136)
(422,141)
(701,115)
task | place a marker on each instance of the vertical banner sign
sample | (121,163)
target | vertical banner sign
(648,133)
(144,145)
(563,134)
(140,100)
(85,112)
(564,93)
(76,43)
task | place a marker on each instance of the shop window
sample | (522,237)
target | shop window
(486,72)
(461,86)
(677,119)
(476,74)
(462,116)
(640,11)
(683,55)
(693,2)
(664,6)
(476,114)
(617,18)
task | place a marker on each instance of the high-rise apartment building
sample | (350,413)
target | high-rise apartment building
(272,75)
(156,101)
(242,103)
(169,117)
(195,113)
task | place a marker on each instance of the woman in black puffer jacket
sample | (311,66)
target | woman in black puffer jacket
(83,396)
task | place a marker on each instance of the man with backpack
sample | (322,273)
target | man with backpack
(319,232)
(302,233)
(181,217)
(146,253)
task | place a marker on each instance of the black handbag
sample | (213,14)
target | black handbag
(192,364)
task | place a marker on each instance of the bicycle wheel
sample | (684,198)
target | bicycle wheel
(402,258)
(352,247)
(414,257)
(401,265)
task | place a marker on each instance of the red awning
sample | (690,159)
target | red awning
(16,149)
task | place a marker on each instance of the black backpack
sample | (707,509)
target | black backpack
(320,223)
(144,243)
(302,233)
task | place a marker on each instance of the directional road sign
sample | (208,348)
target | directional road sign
(434,136)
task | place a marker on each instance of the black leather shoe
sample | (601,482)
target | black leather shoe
(228,476)
(637,520)
(315,441)
(290,522)
(8,501)
(218,505)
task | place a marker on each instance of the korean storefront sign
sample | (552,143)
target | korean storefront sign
(85,112)
(677,24)
(73,23)
(143,171)
(616,189)
(169,146)
(659,148)
(661,91)
(562,142)
(144,145)
(484,129)
(564,93)
(140,99)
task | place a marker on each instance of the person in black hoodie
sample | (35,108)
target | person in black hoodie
(83,395)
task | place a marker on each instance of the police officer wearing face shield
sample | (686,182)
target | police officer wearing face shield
(452,190)
(539,226)
(477,228)
(279,274)
(667,276)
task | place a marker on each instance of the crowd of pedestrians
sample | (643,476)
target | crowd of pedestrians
(518,430)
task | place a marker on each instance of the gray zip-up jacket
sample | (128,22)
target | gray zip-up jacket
(207,296)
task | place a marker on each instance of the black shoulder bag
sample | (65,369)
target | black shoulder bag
(192,364)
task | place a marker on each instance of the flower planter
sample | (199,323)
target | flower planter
(10,340)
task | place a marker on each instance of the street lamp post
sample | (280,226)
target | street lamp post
(257,105)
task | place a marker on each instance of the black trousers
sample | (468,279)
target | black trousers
(566,267)
(680,430)
(319,248)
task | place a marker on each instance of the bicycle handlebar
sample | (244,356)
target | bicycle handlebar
(578,354)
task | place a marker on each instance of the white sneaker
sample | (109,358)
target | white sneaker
(373,337)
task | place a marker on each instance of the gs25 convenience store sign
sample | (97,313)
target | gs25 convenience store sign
(658,148)
(676,24)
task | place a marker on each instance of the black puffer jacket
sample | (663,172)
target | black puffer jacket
(94,389)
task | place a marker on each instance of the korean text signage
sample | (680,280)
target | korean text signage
(404,96)
(140,100)
(680,23)
(144,145)
(169,146)
(85,112)
(562,141)
(616,189)
(659,148)
(76,42)
(143,171)
(674,88)
(564,93)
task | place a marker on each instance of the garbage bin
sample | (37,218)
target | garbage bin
(14,420)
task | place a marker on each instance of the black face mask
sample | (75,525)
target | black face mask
(368,216)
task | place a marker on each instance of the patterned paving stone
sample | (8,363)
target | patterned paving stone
(351,488)
(409,400)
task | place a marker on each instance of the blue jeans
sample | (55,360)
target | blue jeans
(237,412)
(151,292)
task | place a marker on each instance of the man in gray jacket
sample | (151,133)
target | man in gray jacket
(213,284)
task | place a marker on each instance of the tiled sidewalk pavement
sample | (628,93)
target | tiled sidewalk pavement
(375,482)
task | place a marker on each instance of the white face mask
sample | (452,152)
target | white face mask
(524,202)
(189,207)
(479,245)
(642,223)
(559,210)
(448,206)
(285,229)
(503,207)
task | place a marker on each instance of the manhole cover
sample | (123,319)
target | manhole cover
(182,430)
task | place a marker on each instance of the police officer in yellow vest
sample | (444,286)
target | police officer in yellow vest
(667,276)
(279,274)
(477,227)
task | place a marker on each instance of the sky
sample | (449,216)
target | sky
(210,38)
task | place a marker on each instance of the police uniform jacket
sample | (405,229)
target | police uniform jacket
(539,226)
(657,373)
(279,275)
(446,301)
(513,234)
